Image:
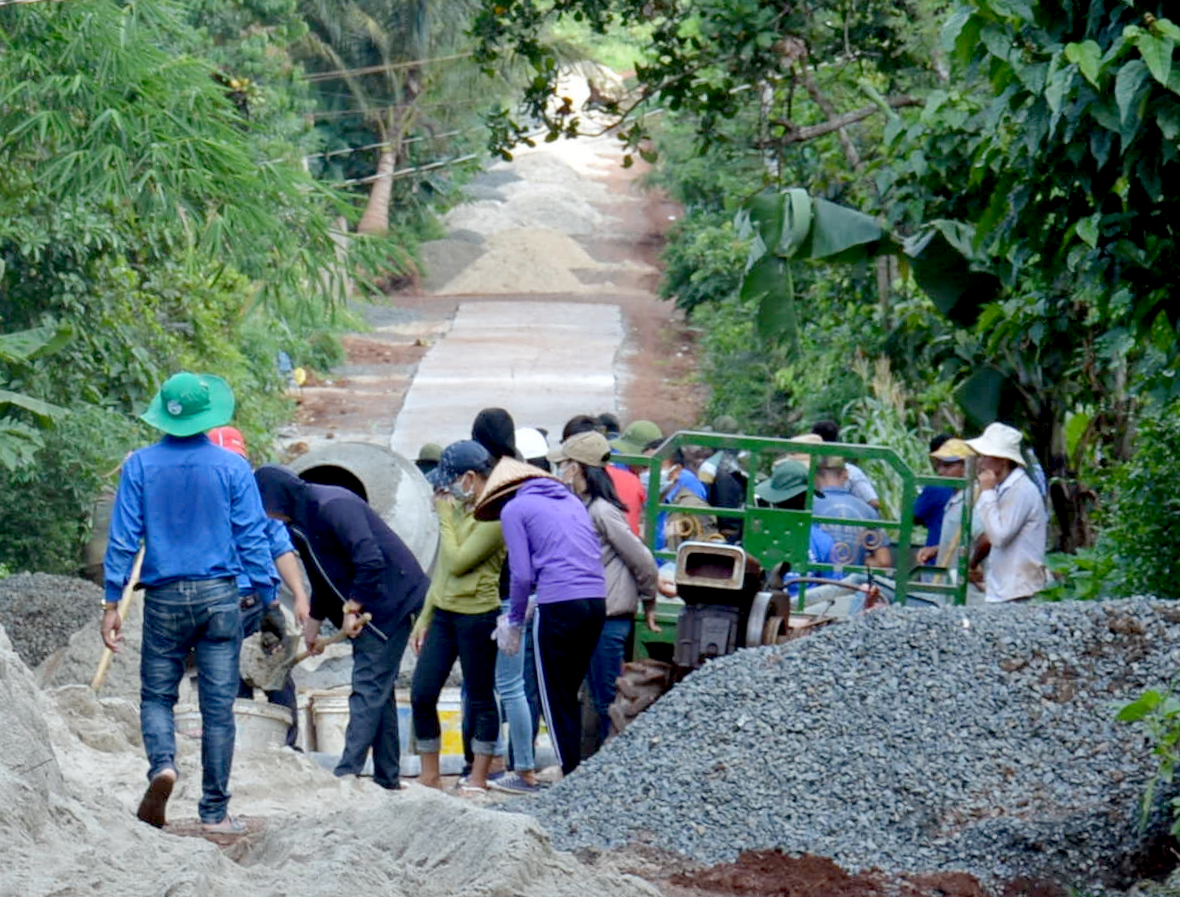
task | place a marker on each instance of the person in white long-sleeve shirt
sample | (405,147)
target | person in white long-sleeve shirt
(1012,514)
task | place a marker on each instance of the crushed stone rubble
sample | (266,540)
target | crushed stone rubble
(41,611)
(981,740)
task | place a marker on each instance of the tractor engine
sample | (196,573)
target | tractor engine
(718,584)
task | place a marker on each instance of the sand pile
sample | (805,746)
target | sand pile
(527,219)
(41,611)
(76,661)
(71,775)
(526,260)
(535,260)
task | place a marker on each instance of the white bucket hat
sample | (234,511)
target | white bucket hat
(999,441)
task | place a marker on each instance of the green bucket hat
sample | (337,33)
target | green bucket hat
(431,451)
(638,436)
(788,479)
(188,404)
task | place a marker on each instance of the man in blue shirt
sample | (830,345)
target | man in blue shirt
(856,545)
(679,486)
(197,511)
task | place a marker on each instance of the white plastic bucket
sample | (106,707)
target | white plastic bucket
(329,713)
(259,725)
(306,737)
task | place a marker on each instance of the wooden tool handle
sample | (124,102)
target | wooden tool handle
(331,640)
(104,662)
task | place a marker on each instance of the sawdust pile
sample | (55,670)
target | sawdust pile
(526,260)
(537,205)
(71,774)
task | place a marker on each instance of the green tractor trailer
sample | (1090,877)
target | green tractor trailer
(764,589)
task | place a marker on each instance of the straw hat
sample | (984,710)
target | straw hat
(953,450)
(999,441)
(506,478)
(805,439)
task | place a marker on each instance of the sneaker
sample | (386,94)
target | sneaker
(227,826)
(514,784)
(496,776)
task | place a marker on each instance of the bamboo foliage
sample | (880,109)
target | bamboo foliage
(104,116)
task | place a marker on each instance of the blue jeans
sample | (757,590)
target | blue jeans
(372,714)
(606,664)
(510,688)
(200,614)
(282,697)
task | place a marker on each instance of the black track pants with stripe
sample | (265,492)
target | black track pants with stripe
(564,634)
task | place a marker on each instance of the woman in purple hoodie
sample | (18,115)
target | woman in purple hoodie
(553,551)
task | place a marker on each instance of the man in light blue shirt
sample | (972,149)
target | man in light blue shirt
(855,545)
(197,511)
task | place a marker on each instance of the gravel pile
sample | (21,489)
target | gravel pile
(41,611)
(980,740)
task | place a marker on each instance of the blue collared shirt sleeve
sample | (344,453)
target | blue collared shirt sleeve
(126,530)
(249,529)
(280,538)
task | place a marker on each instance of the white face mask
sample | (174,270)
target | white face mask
(462,494)
(667,480)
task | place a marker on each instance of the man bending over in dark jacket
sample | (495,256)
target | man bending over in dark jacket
(356,564)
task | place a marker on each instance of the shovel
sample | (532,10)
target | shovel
(268,671)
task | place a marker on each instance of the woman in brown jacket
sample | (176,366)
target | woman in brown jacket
(630,569)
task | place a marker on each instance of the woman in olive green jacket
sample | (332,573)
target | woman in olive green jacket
(459,614)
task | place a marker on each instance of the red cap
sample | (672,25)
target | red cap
(229,438)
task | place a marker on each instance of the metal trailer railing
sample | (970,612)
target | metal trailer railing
(773,535)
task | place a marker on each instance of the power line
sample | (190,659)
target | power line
(366,70)
(406,172)
(385,144)
(343,113)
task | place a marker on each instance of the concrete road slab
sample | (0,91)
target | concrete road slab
(543,362)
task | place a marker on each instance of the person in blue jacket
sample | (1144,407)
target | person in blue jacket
(356,565)
(198,514)
(254,609)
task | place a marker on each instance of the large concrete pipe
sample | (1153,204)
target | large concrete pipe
(386,480)
(390,483)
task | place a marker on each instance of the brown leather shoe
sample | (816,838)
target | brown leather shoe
(155,799)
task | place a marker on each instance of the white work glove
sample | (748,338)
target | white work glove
(506,636)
